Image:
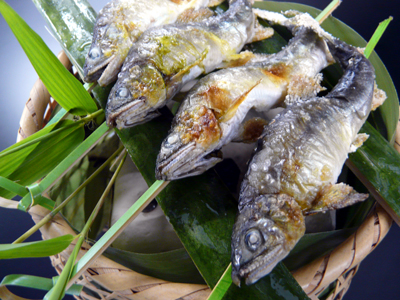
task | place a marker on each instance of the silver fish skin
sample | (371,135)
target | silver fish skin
(295,169)
(213,112)
(119,24)
(167,57)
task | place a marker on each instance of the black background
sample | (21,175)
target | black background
(378,275)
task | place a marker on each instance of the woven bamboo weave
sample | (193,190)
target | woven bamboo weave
(110,280)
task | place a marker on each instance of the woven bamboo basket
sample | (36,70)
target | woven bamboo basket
(111,280)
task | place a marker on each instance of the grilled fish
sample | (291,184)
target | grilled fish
(119,24)
(295,170)
(212,114)
(165,58)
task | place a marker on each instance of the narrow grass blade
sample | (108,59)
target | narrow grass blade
(13,187)
(73,157)
(48,217)
(61,84)
(36,282)
(328,11)
(36,249)
(62,284)
(32,158)
(111,234)
(376,36)
(223,285)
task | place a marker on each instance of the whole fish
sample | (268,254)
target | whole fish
(119,24)
(212,114)
(165,58)
(295,170)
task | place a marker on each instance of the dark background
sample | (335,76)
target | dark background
(379,272)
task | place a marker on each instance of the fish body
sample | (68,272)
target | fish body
(295,169)
(119,24)
(165,58)
(213,112)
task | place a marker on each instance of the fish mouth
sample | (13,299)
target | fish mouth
(257,268)
(104,73)
(130,114)
(185,161)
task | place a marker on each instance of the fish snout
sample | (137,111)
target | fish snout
(177,160)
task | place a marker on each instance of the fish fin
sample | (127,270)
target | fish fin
(335,196)
(237,60)
(195,15)
(250,131)
(261,32)
(358,141)
(231,111)
(378,97)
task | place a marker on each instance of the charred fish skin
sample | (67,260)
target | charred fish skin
(119,24)
(172,55)
(299,160)
(213,112)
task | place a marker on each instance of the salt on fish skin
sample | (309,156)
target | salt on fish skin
(213,113)
(295,169)
(164,59)
(119,24)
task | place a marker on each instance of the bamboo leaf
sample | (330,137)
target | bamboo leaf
(381,175)
(36,282)
(74,35)
(175,265)
(61,84)
(36,249)
(34,157)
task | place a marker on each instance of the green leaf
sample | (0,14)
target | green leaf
(36,249)
(61,84)
(74,35)
(73,157)
(381,175)
(175,265)
(36,282)
(389,111)
(376,36)
(34,157)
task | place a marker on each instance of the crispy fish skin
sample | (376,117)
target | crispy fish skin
(211,115)
(167,57)
(119,24)
(296,167)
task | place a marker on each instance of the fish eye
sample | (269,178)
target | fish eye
(149,208)
(94,53)
(253,239)
(122,92)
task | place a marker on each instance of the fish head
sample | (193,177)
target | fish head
(110,46)
(189,149)
(265,231)
(136,96)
